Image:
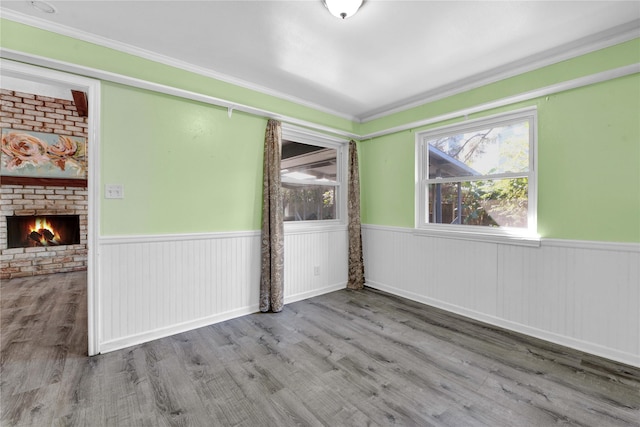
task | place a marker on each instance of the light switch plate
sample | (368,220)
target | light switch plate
(114,191)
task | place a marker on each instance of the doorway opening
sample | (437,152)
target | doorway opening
(61,210)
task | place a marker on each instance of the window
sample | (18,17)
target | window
(479,176)
(312,168)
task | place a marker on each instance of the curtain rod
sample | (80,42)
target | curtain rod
(82,70)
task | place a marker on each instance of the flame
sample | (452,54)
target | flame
(41,224)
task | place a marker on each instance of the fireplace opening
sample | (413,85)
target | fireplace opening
(42,230)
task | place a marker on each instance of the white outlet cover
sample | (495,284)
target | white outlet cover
(114,191)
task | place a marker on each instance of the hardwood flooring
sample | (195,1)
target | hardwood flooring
(348,358)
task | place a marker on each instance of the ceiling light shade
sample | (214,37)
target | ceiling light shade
(43,6)
(343,8)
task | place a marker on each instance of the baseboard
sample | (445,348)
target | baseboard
(314,293)
(598,350)
(155,334)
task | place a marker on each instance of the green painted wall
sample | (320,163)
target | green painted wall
(176,156)
(588,163)
(185,166)
(589,160)
(387,177)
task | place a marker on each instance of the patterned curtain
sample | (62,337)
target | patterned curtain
(272,274)
(356,264)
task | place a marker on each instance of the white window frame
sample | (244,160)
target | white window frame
(305,136)
(522,236)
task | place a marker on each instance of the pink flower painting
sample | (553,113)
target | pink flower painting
(42,155)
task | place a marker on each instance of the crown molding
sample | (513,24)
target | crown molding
(514,99)
(230,105)
(169,90)
(579,47)
(94,73)
(45,25)
(604,39)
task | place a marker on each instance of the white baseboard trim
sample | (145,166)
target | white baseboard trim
(598,350)
(314,293)
(155,334)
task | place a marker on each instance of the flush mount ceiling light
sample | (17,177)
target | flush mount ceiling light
(343,8)
(42,6)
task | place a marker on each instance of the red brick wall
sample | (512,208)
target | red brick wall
(41,114)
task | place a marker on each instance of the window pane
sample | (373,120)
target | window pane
(309,181)
(495,150)
(308,202)
(308,162)
(494,203)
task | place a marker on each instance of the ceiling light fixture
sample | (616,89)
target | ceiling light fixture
(343,8)
(42,6)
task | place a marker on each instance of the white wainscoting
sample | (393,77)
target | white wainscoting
(155,286)
(307,252)
(585,295)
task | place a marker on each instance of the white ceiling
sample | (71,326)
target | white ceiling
(391,55)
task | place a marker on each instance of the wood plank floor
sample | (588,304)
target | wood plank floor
(348,358)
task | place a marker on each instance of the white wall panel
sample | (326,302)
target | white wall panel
(585,295)
(155,286)
(306,251)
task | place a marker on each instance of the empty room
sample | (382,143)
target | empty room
(320,213)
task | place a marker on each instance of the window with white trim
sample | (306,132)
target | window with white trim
(312,170)
(479,176)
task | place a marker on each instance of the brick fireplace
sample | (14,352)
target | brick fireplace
(23,111)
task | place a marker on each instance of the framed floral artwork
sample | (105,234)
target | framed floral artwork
(42,155)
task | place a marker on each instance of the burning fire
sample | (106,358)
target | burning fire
(42,232)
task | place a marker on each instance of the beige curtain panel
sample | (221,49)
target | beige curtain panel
(272,247)
(356,263)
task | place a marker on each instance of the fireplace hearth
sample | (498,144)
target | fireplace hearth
(42,230)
